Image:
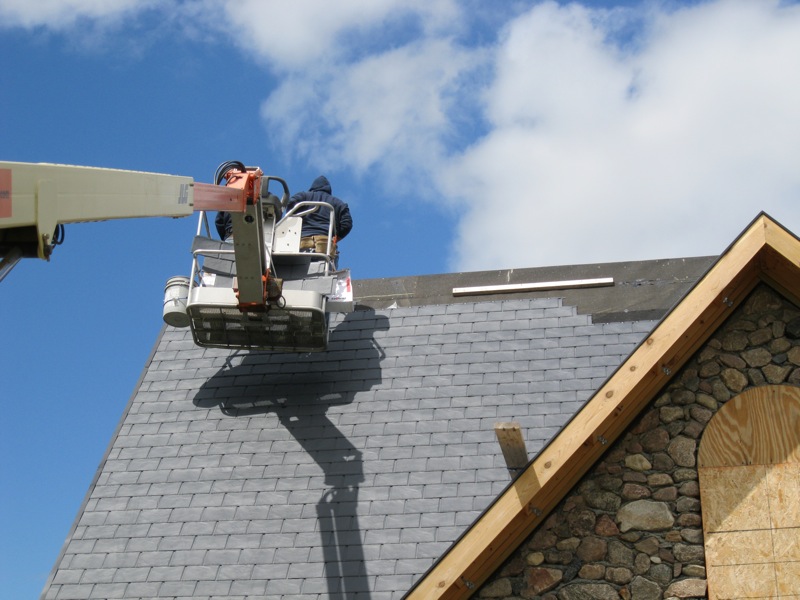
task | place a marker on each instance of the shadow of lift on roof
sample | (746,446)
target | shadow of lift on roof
(299,389)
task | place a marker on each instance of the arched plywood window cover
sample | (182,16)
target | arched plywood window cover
(749,469)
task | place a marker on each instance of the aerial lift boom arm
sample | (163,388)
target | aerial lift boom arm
(36,198)
(255,311)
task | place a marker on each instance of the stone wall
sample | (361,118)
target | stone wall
(632,527)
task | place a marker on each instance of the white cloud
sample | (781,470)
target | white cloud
(596,148)
(390,108)
(578,169)
(308,34)
(63,14)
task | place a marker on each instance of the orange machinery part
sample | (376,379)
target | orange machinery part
(234,196)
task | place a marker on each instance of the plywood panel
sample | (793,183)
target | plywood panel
(788,578)
(759,426)
(786,544)
(750,495)
(739,547)
(741,581)
(784,494)
(732,497)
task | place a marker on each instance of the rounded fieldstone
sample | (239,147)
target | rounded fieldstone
(588,591)
(581,522)
(755,377)
(662,462)
(645,515)
(592,572)
(690,520)
(734,341)
(682,450)
(667,494)
(634,477)
(760,336)
(542,540)
(689,379)
(641,563)
(638,462)
(692,536)
(558,557)
(734,380)
(668,414)
(539,580)
(694,570)
(685,504)
(534,559)
(693,429)
(720,392)
(674,429)
(609,483)
(606,527)
(497,589)
(632,536)
(709,369)
(682,397)
(619,554)
(644,589)
(793,329)
(646,423)
(569,544)
(687,588)
(592,549)
(706,401)
(619,575)
(655,440)
(690,488)
(662,400)
(659,479)
(757,357)
(648,545)
(603,500)
(685,475)
(780,345)
(661,573)
(672,536)
(700,414)
(689,553)
(632,491)
(775,374)
(734,361)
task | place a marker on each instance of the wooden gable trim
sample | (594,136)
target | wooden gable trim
(764,251)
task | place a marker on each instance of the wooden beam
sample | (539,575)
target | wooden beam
(523,506)
(509,435)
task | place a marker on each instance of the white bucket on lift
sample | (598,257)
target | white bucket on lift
(176,294)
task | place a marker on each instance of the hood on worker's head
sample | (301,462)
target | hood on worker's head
(321,184)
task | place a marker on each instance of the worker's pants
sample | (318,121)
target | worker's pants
(319,244)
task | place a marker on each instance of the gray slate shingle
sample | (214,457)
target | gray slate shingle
(342,474)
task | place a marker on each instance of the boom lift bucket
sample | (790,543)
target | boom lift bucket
(256,290)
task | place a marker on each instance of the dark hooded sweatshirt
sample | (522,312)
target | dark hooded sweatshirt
(316,223)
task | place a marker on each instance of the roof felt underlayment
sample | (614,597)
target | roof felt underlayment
(372,470)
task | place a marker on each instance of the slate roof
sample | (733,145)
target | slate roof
(347,473)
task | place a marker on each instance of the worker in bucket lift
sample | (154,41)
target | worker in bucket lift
(224,226)
(314,234)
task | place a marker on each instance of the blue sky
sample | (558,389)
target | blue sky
(464,135)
